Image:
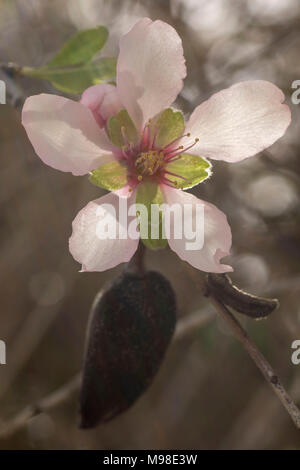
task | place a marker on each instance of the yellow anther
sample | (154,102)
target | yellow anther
(149,162)
(188,134)
(196,140)
(140,178)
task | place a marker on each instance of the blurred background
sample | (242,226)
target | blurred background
(208,394)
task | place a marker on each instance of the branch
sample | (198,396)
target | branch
(15,93)
(45,405)
(219,288)
(32,331)
(260,361)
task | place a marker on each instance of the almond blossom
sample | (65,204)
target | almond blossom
(129,140)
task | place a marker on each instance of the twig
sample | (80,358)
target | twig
(45,405)
(260,361)
(15,93)
(251,348)
(250,433)
(30,335)
(185,326)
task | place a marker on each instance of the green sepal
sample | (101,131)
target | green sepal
(149,193)
(191,167)
(114,128)
(111,176)
(170,126)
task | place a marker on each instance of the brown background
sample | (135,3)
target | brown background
(208,394)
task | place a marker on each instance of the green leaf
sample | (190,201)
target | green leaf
(115,125)
(149,194)
(75,79)
(81,48)
(170,126)
(111,176)
(191,167)
(71,70)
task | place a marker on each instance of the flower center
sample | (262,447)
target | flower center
(148,163)
(146,158)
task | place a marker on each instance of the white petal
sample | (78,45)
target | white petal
(150,69)
(217,233)
(86,245)
(103,101)
(239,122)
(65,134)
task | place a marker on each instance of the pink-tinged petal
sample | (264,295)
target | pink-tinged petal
(126,191)
(150,69)
(239,122)
(217,233)
(64,134)
(87,246)
(103,100)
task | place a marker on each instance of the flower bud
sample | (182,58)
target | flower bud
(103,101)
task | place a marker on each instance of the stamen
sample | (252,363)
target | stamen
(184,150)
(159,162)
(174,150)
(177,176)
(168,182)
(154,135)
(170,145)
(124,151)
(144,143)
(174,159)
(123,132)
